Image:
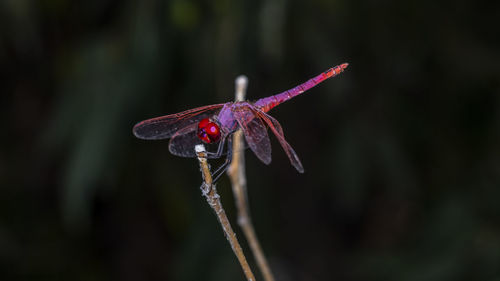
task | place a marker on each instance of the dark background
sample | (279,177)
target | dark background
(401,151)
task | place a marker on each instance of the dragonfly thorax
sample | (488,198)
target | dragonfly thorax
(208,131)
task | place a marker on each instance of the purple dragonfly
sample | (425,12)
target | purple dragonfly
(213,124)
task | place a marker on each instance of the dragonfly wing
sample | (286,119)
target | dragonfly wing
(278,132)
(165,127)
(182,143)
(255,133)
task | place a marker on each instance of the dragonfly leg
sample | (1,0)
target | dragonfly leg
(219,151)
(222,168)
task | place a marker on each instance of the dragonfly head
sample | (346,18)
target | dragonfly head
(208,131)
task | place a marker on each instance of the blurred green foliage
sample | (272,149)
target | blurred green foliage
(401,151)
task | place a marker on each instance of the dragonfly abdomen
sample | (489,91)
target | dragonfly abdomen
(266,104)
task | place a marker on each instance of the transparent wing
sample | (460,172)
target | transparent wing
(255,133)
(184,140)
(166,126)
(278,132)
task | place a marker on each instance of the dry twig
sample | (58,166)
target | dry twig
(236,172)
(213,199)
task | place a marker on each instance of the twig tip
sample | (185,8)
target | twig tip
(241,80)
(199,148)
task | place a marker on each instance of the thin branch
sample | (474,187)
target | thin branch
(237,175)
(213,199)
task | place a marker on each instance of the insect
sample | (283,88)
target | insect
(213,125)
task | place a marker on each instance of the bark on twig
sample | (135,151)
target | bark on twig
(236,172)
(213,199)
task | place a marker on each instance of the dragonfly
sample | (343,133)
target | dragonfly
(212,126)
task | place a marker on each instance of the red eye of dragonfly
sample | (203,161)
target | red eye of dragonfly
(208,132)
